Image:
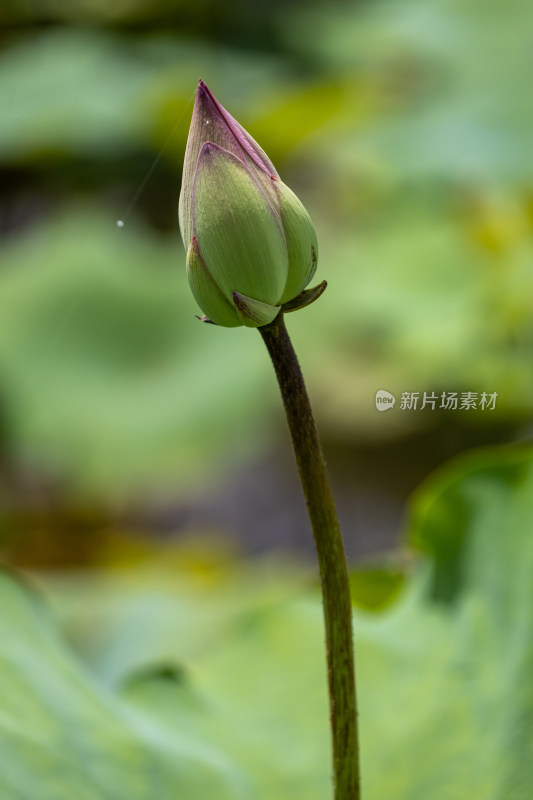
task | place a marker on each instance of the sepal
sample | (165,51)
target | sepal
(254,313)
(305,298)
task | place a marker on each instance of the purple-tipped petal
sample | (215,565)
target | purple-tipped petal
(212,123)
(245,142)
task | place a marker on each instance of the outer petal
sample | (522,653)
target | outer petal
(239,232)
(300,235)
(206,293)
(212,123)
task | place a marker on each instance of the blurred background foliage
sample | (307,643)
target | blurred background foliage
(404,127)
(194,677)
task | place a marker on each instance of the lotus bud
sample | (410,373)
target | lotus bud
(251,245)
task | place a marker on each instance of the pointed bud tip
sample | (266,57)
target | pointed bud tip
(203,91)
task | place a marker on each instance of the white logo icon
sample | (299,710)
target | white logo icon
(384,400)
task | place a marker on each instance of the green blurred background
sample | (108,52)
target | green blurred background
(405,128)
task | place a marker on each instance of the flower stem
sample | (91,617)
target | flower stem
(331,559)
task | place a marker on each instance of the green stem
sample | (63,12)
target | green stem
(331,558)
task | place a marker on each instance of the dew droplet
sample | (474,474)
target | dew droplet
(120,223)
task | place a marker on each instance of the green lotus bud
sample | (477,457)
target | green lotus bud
(251,245)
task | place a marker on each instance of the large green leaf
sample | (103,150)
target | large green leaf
(233,658)
(63,735)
